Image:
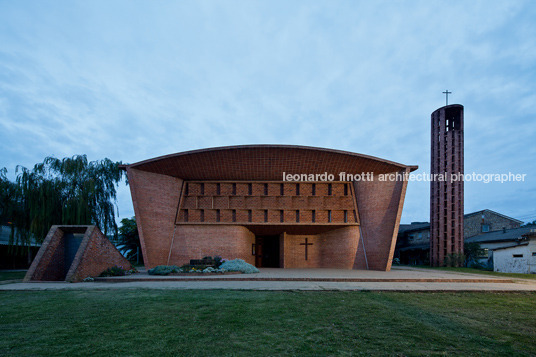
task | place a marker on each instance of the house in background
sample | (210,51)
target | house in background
(15,256)
(486,221)
(413,243)
(491,241)
(518,258)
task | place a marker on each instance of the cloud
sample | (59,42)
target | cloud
(134,80)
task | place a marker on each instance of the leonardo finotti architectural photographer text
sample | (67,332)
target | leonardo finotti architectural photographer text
(419,177)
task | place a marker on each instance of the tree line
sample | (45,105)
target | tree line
(69,191)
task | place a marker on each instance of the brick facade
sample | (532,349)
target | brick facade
(233,202)
(380,206)
(446,196)
(198,241)
(155,198)
(94,255)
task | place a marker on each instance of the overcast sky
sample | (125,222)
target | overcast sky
(132,80)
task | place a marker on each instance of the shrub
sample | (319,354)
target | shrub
(239,265)
(113,271)
(164,270)
(217,261)
(454,260)
(187,267)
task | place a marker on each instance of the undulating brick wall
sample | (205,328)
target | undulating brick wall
(380,207)
(230,194)
(339,248)
(332,249)
(155,198)
(198,241)
(294,253)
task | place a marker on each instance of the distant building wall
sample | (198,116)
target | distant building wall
(519,259)
(416,236)
(487,221)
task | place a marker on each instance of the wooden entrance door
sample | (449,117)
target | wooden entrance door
(267,251)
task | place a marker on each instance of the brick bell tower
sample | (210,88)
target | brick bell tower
(446,196)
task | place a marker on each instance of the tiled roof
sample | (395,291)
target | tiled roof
(498,236)
(404,228)
(498,214)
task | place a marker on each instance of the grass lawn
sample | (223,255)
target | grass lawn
(263,323)
(12,275)
(477,271)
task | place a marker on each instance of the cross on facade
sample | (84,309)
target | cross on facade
(446,92)
(306,244)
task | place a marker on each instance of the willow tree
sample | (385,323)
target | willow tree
(71,191)
(129,239)
(8,193)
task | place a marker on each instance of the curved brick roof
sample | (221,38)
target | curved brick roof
(263,162)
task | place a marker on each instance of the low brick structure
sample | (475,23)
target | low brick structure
(73,253)
(236,202)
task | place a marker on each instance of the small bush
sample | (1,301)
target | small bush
(239,265)
(217,261)
(113,271)
(164,270)
(187,267)
(454,260)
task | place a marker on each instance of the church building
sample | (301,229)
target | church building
(271,205)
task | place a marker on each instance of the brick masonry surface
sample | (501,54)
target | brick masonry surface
(380,206)
(267,203)
(446,197)
(198,241)
(217,201)
(94,255)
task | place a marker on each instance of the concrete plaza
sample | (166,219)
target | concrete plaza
(398,279)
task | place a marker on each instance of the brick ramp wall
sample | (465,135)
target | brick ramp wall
(96,254)
(48,264)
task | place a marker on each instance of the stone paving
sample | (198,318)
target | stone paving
(398,279)
(397,274)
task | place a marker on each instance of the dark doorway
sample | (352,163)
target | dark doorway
(267,251)
(72,243)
